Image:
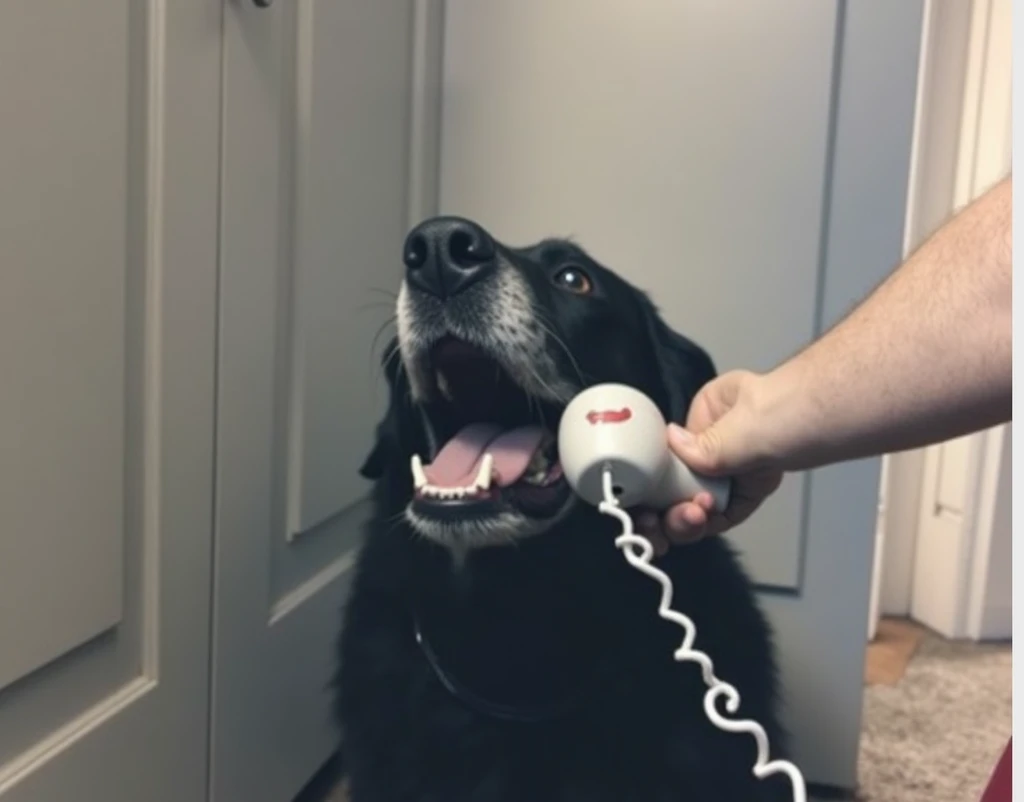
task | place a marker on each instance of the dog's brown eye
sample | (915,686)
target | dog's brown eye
(574,280)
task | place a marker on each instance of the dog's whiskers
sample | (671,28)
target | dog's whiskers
(380,331)
(534,407)
(552,393)
(374,305)
(546,327)
(395,351)
(373,346)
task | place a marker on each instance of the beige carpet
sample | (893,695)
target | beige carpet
(936,735)
(896,640)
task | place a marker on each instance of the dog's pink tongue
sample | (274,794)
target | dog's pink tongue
(458,462)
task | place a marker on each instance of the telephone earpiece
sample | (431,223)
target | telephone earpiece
(616,426)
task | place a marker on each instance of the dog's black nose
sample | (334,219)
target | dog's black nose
(445,255)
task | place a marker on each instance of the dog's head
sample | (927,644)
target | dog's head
(492,343)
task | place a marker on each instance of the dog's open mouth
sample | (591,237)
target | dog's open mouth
(496,445)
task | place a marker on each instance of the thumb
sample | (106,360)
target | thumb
(702,452)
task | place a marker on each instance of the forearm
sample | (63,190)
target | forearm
(926,357)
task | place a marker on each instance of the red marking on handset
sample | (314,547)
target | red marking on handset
(595,416)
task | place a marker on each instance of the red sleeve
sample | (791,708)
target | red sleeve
(1000,784)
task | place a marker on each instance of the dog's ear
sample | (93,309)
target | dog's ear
(392,429)
(685,367)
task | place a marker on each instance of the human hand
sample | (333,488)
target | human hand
(724,436)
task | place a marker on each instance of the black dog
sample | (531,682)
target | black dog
(496,645)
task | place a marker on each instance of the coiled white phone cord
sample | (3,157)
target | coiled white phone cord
(638,552)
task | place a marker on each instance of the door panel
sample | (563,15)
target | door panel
(350,182)
(937,598)
(731,164)
(315,197)
(63,313)
(950,491)
(108,222)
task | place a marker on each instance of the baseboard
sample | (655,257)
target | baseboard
(996,623)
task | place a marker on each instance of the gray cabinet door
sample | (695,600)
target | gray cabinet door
(108,205)
(749,167)
(316,163)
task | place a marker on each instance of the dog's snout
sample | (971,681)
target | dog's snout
(445,255)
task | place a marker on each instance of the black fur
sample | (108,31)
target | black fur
(559,620)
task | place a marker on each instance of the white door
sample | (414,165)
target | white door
(316,150)
(749,167)
(108,205)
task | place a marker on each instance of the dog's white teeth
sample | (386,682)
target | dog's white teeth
(483,476)
(482,481)
(419,477)
(446,492)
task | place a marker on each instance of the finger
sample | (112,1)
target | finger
(685,523)
(749,497)
(701,415)
(738,512)
(705,501)
(700,452)
(648,526)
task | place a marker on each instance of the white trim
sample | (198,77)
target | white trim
(985,135)
(924,83)
(425,109)
(878,560)
(942,67)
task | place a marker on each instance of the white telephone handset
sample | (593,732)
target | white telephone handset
(617,427)
(613,448)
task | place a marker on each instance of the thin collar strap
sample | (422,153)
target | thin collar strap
(526,714)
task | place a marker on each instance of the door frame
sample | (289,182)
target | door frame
(425,120)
